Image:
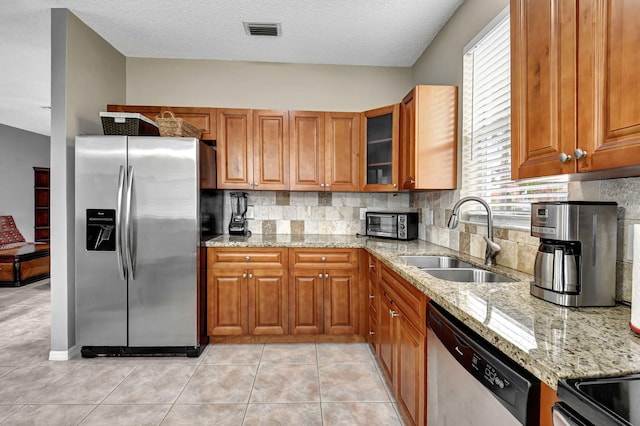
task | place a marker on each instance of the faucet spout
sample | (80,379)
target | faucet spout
(492,247)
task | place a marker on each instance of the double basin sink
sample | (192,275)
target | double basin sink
(451,269)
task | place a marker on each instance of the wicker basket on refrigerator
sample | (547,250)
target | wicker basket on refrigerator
(169,125)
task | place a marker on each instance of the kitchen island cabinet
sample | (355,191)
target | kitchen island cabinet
(574,87)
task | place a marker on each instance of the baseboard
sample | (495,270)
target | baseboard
(64,355)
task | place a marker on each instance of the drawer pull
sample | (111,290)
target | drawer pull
(371,296)
(372,333)
(324,259)
(393,313)
(247,258)
(372,266)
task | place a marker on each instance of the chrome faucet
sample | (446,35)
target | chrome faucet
(492,247)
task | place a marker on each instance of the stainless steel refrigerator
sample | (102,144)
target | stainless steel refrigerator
(141,215)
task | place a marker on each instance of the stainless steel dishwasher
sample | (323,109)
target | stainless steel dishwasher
(469,382)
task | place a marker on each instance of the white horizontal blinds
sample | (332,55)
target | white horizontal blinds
(486,152)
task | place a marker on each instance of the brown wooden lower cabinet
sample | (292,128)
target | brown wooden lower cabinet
(401,343)
(548,397)
(268,302)
(324,301)
(251,292)
(228,302)
(248,302)
(306,302)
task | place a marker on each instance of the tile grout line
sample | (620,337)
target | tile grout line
(319,386)
(255,378)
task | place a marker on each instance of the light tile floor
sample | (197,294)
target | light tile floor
(257,384)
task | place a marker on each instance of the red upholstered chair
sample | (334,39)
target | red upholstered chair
(21,262)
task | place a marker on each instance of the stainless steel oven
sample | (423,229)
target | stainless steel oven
(470,382)
(604,401)
(396,225)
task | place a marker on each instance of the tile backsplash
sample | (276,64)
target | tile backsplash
(284,212)
(518,246)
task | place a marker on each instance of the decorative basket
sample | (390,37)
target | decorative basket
(127,124)
(172,126)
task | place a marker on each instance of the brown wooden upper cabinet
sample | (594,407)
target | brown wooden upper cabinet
(380,148)
(574,84)
(203,118)
(325,149)
(429,138)
(253,149)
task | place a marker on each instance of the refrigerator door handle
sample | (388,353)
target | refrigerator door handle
(127,226)
(122,268)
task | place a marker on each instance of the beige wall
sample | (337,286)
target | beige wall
(20,151)
(441,62)
(86,74)
(261,85)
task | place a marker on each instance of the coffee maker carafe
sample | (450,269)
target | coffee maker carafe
(238,223)
(576,261)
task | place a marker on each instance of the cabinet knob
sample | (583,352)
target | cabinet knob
(563,158)
(395,185)
(411,181)
(324,259)
(255,184)
(319,275)
(578,153)
(372,266)
(393,313)
(250,275)
(247,258)
(244,275)
(372,333)
(371,296)
(326,275)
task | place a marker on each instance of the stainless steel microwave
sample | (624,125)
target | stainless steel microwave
(399,226)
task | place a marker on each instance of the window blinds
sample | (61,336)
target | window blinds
(486,152)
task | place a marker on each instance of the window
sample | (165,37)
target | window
(486,128)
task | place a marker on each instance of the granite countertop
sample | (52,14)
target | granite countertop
(550,341)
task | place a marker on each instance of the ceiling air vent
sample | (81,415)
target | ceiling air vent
(262,29)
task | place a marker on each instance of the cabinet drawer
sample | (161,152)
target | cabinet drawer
(247,257)
(6,272)
(411,301)
(323,258)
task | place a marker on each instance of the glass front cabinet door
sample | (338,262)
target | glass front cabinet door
(381,148)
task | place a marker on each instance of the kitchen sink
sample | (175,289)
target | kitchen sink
(435,262)
(467,275)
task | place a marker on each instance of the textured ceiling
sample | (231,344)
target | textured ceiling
(347,32)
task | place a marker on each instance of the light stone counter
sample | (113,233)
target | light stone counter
(550,341)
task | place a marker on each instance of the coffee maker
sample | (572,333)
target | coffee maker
(576,260)
(238,223)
